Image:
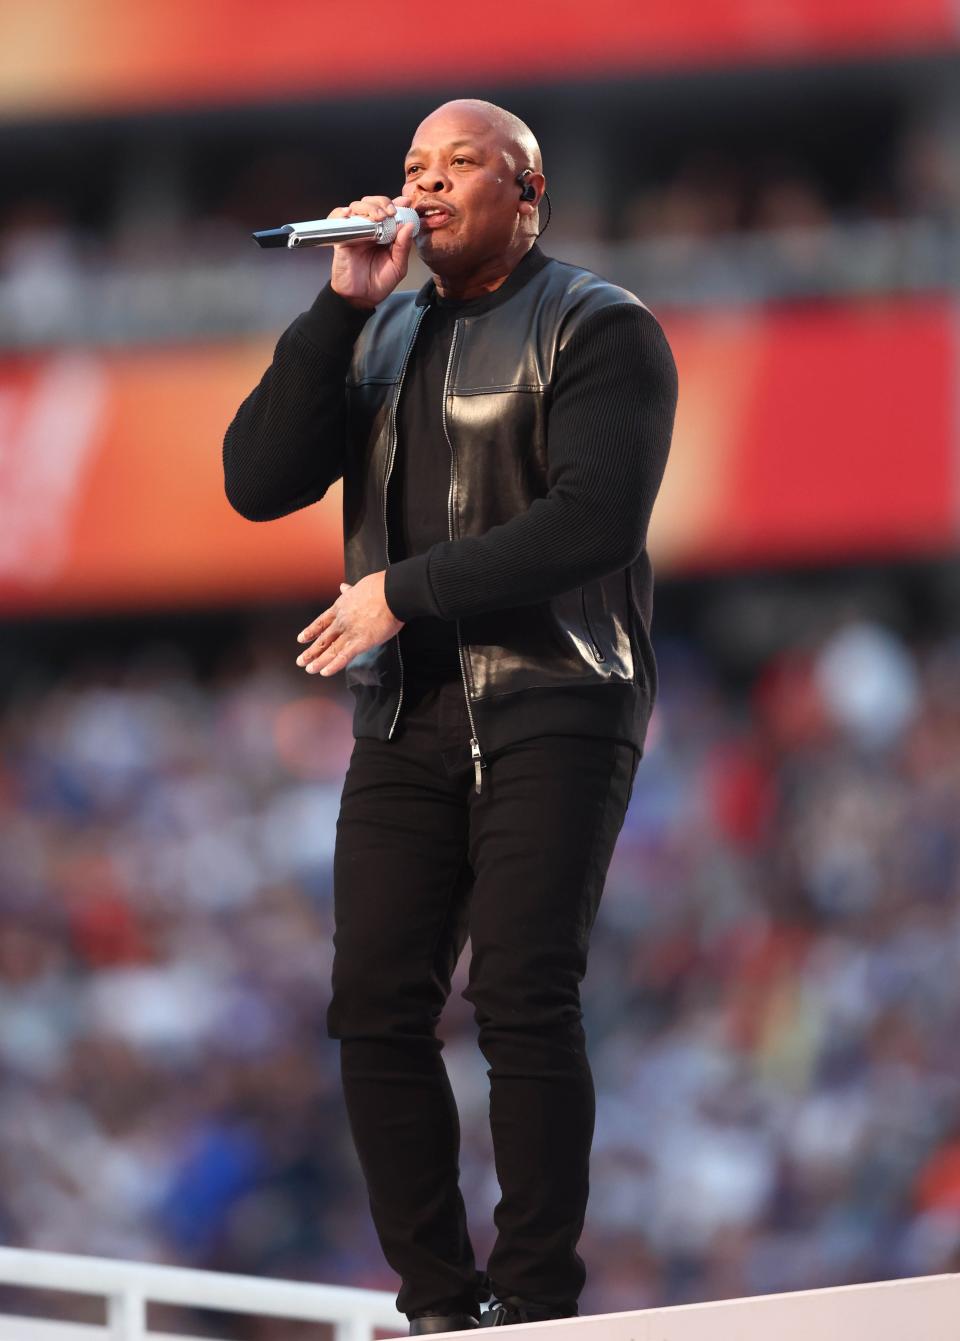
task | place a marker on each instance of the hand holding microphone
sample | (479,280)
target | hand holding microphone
(368,262)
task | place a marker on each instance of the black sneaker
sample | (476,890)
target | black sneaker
(511,1309)
(427,1321)
(459,1314)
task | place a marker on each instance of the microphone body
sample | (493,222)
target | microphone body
(326,232)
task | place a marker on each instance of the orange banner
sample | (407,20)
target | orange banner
(812,433)
(112,486)
(108,55)
(809,433)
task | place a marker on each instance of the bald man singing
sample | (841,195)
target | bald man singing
(501,436)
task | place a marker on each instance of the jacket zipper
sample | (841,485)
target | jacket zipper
(478,760)
(586,619)
(386,481)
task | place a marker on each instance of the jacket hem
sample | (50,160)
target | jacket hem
(618,711)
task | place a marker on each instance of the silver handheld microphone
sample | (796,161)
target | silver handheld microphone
(325,232)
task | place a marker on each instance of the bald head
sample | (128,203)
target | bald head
(515,137)
(474,175)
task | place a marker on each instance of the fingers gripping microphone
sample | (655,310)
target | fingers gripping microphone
(326,232)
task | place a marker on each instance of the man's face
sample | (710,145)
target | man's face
(460,178)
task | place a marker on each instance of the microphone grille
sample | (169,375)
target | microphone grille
(406,215)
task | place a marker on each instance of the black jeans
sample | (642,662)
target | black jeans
(421,860)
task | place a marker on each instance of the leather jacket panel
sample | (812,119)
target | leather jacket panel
(498,394)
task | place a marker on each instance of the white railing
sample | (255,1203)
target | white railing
(917,1308)
(128,1287)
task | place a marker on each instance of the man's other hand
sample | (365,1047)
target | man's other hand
(358,619)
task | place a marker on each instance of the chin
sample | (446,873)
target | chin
(434,249)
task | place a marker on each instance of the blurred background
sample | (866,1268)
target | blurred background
(773,1001)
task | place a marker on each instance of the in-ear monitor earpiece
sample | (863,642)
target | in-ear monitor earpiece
(529,192)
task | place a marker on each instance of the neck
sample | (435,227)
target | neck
(486,277)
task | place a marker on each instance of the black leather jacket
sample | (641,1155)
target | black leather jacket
(498,380)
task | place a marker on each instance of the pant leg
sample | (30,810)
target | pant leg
(401,892)
(542,833)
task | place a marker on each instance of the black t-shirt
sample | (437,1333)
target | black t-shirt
(418,491)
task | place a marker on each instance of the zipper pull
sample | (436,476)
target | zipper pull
(478,762)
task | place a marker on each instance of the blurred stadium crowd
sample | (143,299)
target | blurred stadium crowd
(772,1003)
(786,184)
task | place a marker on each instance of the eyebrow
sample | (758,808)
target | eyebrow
(417,152)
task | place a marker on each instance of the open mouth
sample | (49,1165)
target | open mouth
(433,216)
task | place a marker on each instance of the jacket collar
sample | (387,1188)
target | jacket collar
(528,265)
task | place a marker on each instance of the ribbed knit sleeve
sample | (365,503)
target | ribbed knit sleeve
(609,429)
(285,445)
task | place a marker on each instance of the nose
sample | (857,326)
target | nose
(432,181)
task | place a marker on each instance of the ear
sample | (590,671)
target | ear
(539,183)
